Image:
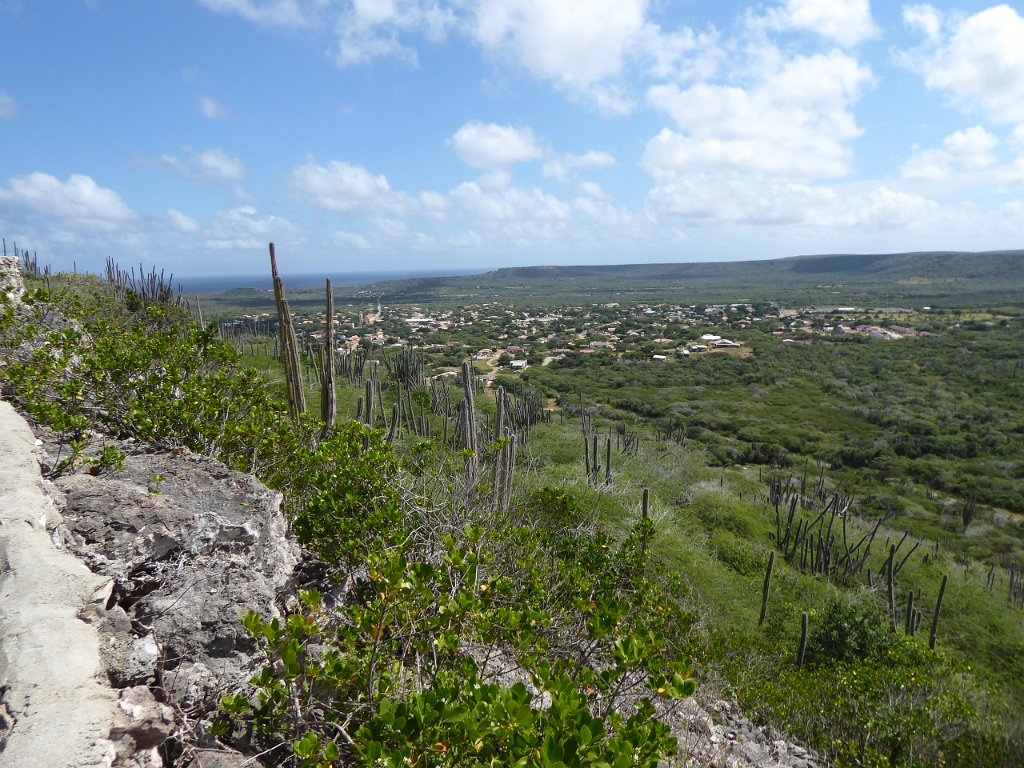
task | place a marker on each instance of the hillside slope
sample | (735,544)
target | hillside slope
(941,278)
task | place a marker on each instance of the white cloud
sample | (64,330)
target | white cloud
(433,204)
(182,222)
(967,150)
(1013,173)
(795,122)
(208,166)
(370,29)
(345,188)
(584,48)
(1016,140)
(971,148)
(276,13)
(926,19)
(79,201)
(682,55)
(1011,214)
(704,198)
(977,61)
(8,107)
(927,165)
(216,165)
(735,199)
(489,145)
(211,109)
(563,167)
(351,240)
(884,208)
(576,44)
(481,203)
(243,228)
(846,22)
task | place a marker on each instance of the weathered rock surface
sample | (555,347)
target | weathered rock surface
(191,547)
(719,735)
(156,566)
(55,709)
(11,283)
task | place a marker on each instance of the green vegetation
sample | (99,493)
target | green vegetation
(580,617)
(807,503)
(939,279)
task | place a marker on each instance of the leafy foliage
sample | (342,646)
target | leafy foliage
(410,661)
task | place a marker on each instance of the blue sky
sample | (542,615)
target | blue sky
(364,135)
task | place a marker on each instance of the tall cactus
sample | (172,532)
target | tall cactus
(766,588)
(802,650)
(328,396)
(468,414)
(935,618)
(910,613)
(289,344)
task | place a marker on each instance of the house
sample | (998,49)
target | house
(518,365)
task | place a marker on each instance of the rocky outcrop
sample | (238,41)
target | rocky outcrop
(717,734)
(157,565)
(56,710)
(11,283)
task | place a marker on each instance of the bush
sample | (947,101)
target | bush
(848,631)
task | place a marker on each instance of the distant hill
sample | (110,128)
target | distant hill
(943,278)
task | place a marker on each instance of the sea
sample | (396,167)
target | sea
(221,283)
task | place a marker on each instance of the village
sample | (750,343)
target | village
(502,337)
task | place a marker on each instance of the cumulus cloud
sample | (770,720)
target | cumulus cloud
(182,222)
(351,240)
(488,145)
(584,48)
(211,109)
(1013,174)
(243,228)
(8,107)
(371,29)
(683,54)
(343,187)
(205,167)
(275,13)
(977,60)
(563,167)
(846,22)
(967,150)
(925,19)
(794,122)
(79,201)
(710,200)
(216,165)
(1016,140)
(706,198)
(574,43)
(481,203)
